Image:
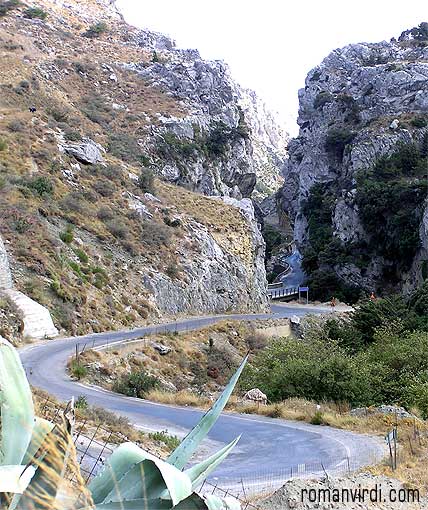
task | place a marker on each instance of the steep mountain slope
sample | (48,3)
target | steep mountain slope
(355,183)
(90,232)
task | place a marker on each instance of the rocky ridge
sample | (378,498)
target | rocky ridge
(362,103)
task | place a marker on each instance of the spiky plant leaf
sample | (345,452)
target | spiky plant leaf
(193,502)
(16,407)
(216,503)
(12,479)
(51,461)
(201,471)
(40,431)
(181,455)
(132,473)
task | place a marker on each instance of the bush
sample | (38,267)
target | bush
(322,99)
(136,384)
(35,13)
(104,188)
(125,147)
(146,181)
(96,30)
(419,122)
(154,234)
(40,185)
(337,140)
(172,270)
(72,135)
(317,369)
(81,255)
(78,370)
(97,109)
(67,236)
(317,418)
(7,6)
(105,213)
(171,442)
(81,402)
(118,229)
(3,145)
(16,126)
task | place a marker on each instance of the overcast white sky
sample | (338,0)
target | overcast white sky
(270,45)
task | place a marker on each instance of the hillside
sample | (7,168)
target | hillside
(356,181)
(102,211)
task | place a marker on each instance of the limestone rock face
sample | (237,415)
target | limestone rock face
(5,274)
(372,91)
(37,321)
(218,280)
(235,145)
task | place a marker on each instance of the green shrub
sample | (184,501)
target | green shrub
(104,187)
(390,198)
(81,402)
(9,5)
(322,99)
(3,145)
(136,384)
(125,147)
(419,122)
(336,141)
(96,30)
(40,185)
(35,13)
(67,236)
(117,228)
(78,370)
(72,135)
(172,270)
(81,255)
(317,418)
(146,181)
(95,107)
(171,442)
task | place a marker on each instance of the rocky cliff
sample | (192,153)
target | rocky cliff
(355,183)
(228,143)
(99,123)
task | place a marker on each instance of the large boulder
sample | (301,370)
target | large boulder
(87,151)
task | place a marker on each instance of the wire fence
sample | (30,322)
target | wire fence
(95,443)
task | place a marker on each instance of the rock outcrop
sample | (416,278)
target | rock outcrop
(87,151)
(362,103)
(228,144)
(37,321)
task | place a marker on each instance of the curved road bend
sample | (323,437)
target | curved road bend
(267,445)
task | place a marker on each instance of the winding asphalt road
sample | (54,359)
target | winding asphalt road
(267,446)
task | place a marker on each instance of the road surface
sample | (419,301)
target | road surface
(267,445)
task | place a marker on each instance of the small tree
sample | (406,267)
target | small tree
(146,181)
(35,13)
(96,30)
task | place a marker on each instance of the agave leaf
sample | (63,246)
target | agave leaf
(193,502)
(16,407)
(190,443)
(40,431)
(152,478)
(200,472)
(50,465)
(132,473)
(216,503)
(12,479)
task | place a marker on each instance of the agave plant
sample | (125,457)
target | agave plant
(35,455)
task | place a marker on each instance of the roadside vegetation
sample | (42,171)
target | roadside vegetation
(379,355)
